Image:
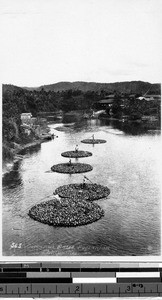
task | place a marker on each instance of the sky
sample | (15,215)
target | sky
(47,41)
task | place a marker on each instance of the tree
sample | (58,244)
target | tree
(116,106)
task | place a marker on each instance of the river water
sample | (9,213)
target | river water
(129,164)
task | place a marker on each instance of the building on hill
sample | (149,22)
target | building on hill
(153,97)
(30,124)
(33,121)
(132,96)
(150,98)
(112,96)
(26,118)
(104,103)
(26,128)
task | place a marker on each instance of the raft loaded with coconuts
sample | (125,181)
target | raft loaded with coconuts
(76,154)
(92,140)
(85,191)
(66,212)
(71,168)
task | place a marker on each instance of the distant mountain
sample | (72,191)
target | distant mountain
(124,87)
(137,87)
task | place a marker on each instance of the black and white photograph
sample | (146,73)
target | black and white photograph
(81,128)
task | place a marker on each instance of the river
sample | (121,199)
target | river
(129,164)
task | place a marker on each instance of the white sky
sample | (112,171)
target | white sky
(46,41)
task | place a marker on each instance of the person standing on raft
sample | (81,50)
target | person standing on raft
(76,148)
(83,184)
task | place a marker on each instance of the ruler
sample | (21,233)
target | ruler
(80,279)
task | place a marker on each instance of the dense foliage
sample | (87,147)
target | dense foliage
(134,108)
(17,100)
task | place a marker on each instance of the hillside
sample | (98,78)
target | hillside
(10,88)
(139,87)
(135,87)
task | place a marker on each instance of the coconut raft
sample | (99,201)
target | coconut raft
(93,141)
(76,154)
(86,191)
(71,168)
(66,212)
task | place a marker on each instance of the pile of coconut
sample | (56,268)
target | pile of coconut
(66,212)
(93,141)
(76,154)
(71,168)
(85,191)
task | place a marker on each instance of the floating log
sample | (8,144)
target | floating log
(76,154)
(71,168)
(93,141)
(66,212)
(85,191)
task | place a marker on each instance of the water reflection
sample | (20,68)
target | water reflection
(71,117)
(13,178)
(136,128)
(128,127)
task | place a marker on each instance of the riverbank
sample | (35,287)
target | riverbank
(18,153)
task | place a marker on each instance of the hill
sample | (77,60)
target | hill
(137,87)
(10,88)
(134,87)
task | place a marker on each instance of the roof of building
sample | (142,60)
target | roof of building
(106,101)
(110,96)
(153,97)
(141,98)
(156,96)
(149,98)
(26,114)
(25,126)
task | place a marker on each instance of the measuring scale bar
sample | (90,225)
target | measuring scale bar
(80,290)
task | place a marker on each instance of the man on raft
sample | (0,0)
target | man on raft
(83,184)
(70,162)
(76,148)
